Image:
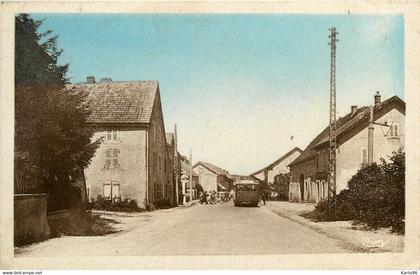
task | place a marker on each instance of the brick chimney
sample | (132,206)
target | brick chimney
(377,99)
(90,79)
(353,109)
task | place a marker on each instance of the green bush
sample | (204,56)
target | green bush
(280,186)
(118,205)
(376,196)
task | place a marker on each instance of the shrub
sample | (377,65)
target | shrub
(118,205)
(280,187)
(376,196)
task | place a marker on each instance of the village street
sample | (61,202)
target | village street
(196,230)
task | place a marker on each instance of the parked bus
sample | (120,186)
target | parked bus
(246,192)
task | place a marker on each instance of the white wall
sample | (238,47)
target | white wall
(132,171)
(207,179)
(349,154)
(281,167)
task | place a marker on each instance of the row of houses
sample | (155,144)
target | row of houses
(309,168)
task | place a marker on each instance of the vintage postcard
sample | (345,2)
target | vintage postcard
(189,135)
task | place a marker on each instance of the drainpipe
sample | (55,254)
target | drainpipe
(370,137)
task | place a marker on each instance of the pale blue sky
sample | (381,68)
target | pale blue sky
(239,86)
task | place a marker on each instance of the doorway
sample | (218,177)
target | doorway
(302,186)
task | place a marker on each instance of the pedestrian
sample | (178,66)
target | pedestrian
(231,194)
(205,197)
(263,196)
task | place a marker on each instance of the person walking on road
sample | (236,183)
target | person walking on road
(264,195)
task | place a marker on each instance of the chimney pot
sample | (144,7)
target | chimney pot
(353,109)
(377,99)
(90,79)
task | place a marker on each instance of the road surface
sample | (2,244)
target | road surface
(196,230)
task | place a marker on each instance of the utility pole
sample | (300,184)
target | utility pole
(333,128)
(370,136)
(191,194)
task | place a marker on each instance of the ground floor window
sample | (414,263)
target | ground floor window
(112,189)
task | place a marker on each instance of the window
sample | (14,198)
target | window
(364,156)
(160,163)
(115,189)
(107,190)
(393,130)
(112,135)
(111,157)
(111,189)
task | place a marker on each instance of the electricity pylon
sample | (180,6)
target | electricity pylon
(333,129)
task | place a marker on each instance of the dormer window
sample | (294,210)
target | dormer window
(112,135)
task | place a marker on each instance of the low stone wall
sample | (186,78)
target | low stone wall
(30,218)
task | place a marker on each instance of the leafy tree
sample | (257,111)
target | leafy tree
(280,186)
(52,140)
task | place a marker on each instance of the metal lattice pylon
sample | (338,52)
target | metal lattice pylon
(333,129)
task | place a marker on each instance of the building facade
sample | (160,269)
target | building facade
(213,178)
(268,173)
(309,172)
(132,160)
(173,169)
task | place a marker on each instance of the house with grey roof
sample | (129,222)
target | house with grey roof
(212,177)
(132,160)
(309,171)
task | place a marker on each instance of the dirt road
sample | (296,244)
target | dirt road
(197,230)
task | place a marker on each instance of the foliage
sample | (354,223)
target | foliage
(118,205)
(49,119)
(376,196)
(63,196)
(280,186)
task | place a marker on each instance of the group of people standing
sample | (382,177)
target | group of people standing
(213,197)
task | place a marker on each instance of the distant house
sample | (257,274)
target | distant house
(268,173)
(132,161)
(185,179)
(309,172)
(213,178)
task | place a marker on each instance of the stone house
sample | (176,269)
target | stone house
(268,173)
(132,160)
(213,178)
(309,172)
